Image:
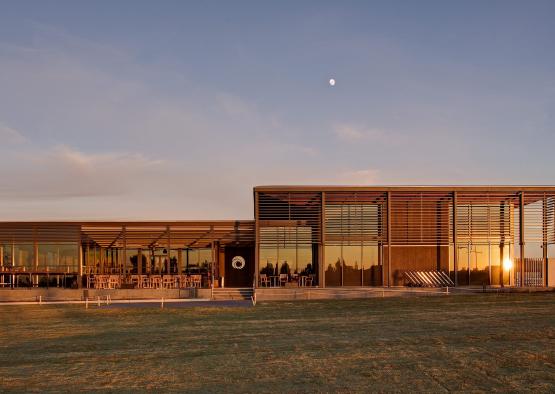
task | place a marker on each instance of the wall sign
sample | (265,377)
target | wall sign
(238,262)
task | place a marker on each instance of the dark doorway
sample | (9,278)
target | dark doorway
(239,272)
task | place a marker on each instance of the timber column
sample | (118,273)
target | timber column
(455,245)
(80,249)
(521,238)
(544,239)
(322,254)
(256,240)
(388,239)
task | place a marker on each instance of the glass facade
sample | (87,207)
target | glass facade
(306,236)
(334,265)
(371,266)
(501,264)
(353,266)
(286,256)
(551,265)
(479,265)
(490,264)
(24,256)
(197,261)
(5,255)
(352,230)
(61,257)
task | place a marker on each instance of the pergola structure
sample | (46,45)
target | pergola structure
(182,234)
(97,242)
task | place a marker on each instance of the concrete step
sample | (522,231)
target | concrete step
(233,294)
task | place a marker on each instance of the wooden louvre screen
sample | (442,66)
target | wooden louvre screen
(289,218)
(539,217)
(355,218)
(421,218)
(39,232)
(484,217)
(285,236)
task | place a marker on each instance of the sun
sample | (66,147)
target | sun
(332,82)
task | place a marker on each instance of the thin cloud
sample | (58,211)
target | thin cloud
(64,172)
(349,133)
(234,105)
(353,133)
(10,135)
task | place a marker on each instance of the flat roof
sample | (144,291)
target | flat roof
(135,233)
(130,222)
(406,188)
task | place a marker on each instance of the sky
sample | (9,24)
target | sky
(174,110)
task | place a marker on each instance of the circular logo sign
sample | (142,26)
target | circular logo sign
(238,262)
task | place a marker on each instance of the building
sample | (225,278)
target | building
(309,236)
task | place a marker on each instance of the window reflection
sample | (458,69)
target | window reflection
(479,265)
(287,256)
(352,268)
(333,265)
(372,273)
(462,265)
(58,257)
(24,255)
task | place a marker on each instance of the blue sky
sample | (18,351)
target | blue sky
(174,110)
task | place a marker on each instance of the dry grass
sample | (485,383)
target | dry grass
(456,343)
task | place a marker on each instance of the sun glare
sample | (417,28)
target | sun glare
(507,264)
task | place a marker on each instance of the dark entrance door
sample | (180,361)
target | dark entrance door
(239,266)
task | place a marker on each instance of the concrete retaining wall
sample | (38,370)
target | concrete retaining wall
(285,294)
(56,294)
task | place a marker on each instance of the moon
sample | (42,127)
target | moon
(332,82)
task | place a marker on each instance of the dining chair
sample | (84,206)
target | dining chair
(264,280)
(167,281)
(156,281)
(196,280)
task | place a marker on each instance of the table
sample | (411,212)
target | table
(274,280)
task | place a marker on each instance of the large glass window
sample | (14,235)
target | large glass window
(268,261)
(59,257)
(462,265)
(502,266)
(334,264)
(551,265)
(479,265)
(132,261)
(452,262)
(287,260)
(6,255)
(287,256)
(352,266)
(372,273)
(353,229)
(305,265)
(197,261)
(24,256)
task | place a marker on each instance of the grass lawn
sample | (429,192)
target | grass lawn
(446,343)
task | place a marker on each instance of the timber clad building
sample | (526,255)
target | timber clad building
(305,236)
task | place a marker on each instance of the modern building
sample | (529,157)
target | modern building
(309,236)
